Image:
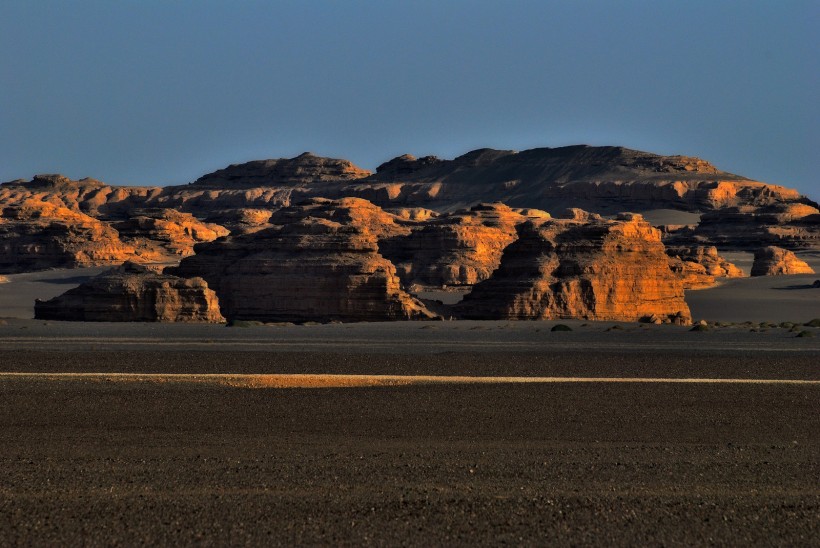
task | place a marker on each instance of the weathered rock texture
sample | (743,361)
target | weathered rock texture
(166,233)
(133,293)
(789,225)
(461,248)
(698,266)
(601,179)
(593,269)
(322,264)
(37,235)
(776,261)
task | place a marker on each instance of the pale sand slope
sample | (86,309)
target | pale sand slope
(766,298)
(18,293)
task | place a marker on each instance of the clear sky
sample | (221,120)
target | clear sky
(160,92)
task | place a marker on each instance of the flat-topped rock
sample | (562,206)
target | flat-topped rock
(592,269)
(134,293)
(304,169)
(310,268)
(37,235)
(776,261)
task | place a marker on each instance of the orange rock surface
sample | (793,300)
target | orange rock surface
(592,269)
(134,293)
(462,248)
(321,264)
(167,233)
(776,261)
(37,235)
(698,266)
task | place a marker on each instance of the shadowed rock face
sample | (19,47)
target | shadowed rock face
(593,269)
(37,235)
(790,225)
(285,172)
(134,293)
(601,179)
(461,248)
(698,266)
(775,261)
(312,268)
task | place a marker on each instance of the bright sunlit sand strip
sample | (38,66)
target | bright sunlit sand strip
(351,381)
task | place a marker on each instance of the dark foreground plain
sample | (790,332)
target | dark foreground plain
(96,462)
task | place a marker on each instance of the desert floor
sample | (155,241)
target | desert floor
(167,443)
(205,434)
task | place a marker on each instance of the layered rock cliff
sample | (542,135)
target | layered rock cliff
(587,268)
(462,248)
(36,235)
(698,266)
(789,225)
(166,234)
(323,264)
(776,261)
(134,293)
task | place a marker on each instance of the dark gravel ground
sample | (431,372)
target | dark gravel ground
(90,463)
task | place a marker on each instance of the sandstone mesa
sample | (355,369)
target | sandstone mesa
(319,239)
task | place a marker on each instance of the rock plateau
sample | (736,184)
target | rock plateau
(134,293)
(776,261)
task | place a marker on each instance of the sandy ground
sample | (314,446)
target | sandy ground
(657,217)
(101,461)
(18,293)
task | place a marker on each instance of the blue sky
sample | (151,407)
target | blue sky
(161,92)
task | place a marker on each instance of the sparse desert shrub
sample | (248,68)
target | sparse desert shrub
(615,327)
(561,327)
(243,323)
(700,327)
(786,325)
(805,334)
(813,323)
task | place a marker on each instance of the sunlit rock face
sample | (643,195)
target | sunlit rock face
(319,262)
(776,261)
(88,196)
(699,266)
(585,267)
(461,248)
(134,293)
(166,234)
(37,235)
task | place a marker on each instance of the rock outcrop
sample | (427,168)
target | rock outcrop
(789,225)
(38,235)
(593,269)
(321,264)
(600,179)
(166,234)
(462,248)
(698,266)
(88,196)
(776,261)
(134,293)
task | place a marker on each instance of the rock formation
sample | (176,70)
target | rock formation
(37,235)
(601,179)
(134,293)
(790,225)
(698,266)
(461,248)
(776,261)
(88,196)
(321,264)
(166,233)
(593,269)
